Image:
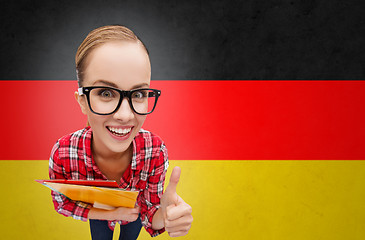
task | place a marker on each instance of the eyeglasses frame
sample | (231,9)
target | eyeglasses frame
(86,91)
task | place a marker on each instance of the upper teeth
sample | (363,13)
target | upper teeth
(120,130)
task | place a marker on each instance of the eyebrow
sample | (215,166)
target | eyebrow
(111,84)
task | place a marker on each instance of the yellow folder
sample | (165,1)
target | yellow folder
(100,197)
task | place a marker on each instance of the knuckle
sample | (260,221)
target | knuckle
(191,219)
(188,228)
(188,208)
(185,229)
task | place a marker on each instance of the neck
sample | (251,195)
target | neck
(111,156)
(113,165)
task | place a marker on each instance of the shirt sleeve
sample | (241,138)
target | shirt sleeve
(150,199)
(63,205)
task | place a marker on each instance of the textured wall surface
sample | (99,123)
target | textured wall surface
(260,159)
(251,39)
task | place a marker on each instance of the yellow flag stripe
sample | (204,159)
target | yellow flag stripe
(231,200)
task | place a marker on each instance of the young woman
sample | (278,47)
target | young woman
(114,74)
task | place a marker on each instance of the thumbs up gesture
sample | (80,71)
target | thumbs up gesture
(176,212)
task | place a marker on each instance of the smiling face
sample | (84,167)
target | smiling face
(124,65)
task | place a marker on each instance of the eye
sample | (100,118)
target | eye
(139,94)
(106,93)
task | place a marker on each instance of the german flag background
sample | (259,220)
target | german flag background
(262,107)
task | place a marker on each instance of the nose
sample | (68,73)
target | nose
(124,113)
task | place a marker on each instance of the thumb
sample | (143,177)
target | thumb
(174,180)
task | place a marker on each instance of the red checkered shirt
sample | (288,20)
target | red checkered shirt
(71,158)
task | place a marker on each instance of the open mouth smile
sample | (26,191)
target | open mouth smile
(120,132)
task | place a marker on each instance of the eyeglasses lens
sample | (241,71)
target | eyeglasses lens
(105,100)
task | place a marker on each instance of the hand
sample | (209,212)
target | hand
(176,212)
(126,214)
(120,213)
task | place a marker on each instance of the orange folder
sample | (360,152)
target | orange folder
(100,196)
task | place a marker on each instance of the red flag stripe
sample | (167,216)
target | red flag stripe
(204,120)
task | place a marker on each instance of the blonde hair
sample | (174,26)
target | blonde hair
(96,38)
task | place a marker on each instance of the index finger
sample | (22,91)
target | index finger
(174,212)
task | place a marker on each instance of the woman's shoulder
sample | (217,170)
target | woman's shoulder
(147,143)
(75,137)
(149,137)
(152,149)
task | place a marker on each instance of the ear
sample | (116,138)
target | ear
(82,102)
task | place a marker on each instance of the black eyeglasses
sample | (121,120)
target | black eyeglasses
(107,100)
